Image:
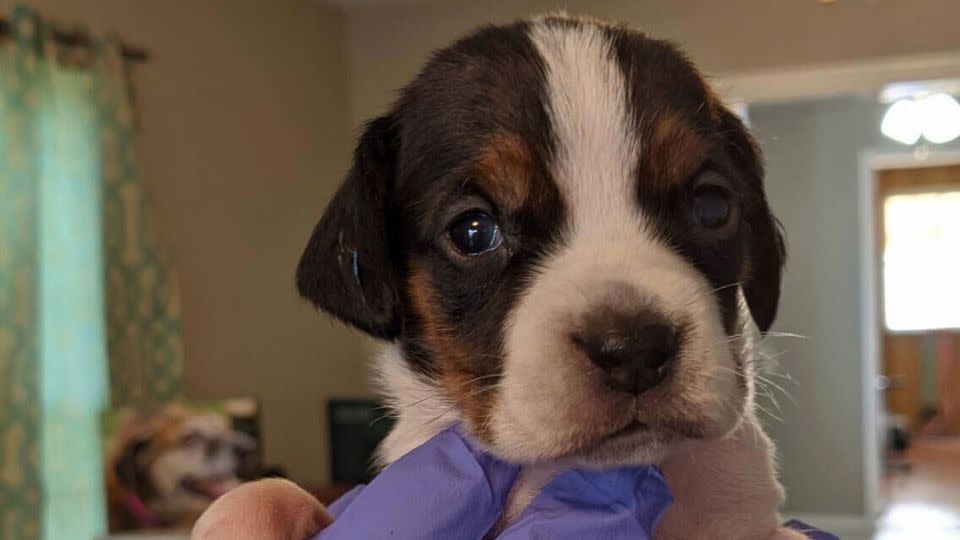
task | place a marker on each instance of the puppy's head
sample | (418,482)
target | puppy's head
(566,233)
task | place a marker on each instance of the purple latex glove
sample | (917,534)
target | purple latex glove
(810,532)
(624,503)
(446,489)
(449,489)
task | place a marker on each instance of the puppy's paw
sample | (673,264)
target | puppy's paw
(271,509)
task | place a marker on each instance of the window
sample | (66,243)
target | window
(921,261)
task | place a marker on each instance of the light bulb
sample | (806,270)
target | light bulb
(939,114)
(901,122)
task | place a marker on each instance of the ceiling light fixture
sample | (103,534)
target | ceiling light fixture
(935,117)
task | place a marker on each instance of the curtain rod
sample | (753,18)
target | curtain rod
(80,40)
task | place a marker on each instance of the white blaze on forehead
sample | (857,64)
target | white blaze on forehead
(597,149)
(550,397)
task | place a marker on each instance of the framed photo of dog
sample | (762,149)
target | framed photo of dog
(164,465)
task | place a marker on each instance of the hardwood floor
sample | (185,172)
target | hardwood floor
(924,504)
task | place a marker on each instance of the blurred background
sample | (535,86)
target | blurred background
(163,162)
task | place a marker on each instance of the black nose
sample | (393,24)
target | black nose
(634,357)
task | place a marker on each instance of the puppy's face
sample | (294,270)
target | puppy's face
(566,233)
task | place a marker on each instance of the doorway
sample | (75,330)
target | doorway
(917,232)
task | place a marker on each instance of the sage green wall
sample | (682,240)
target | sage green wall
(812,151)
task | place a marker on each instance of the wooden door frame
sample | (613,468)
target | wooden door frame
(871,161)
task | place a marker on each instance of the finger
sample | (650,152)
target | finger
(271,509)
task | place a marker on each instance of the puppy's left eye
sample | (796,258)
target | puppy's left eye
(475,233)
(712,206)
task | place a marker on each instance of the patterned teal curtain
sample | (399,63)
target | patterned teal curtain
(20,393)
(143,309)
(88,307)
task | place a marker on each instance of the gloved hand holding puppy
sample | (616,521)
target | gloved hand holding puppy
(450,489)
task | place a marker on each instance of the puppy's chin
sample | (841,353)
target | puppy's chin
(640,438)
(639,443)
(638,448)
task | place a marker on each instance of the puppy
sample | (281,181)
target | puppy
(562,233)
(166,470)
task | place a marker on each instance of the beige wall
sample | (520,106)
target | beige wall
(244,139)
(388,43)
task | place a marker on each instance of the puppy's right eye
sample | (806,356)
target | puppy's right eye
(711,206)
(475,233)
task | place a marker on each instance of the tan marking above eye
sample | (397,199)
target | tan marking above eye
(505,170)
(675,150)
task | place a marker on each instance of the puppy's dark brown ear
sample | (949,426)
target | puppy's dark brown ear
(764,251)
(347,269)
